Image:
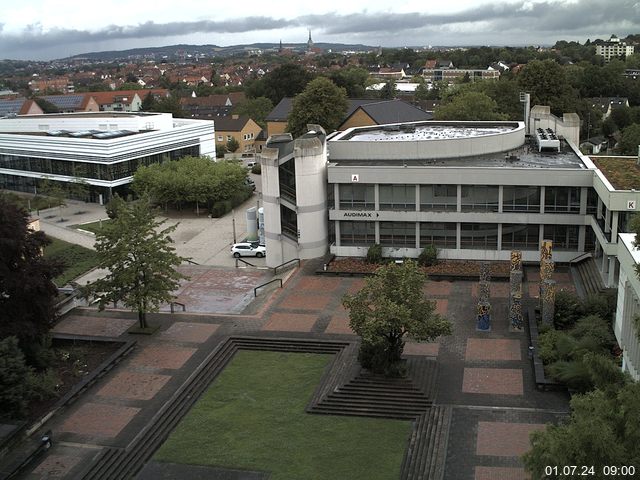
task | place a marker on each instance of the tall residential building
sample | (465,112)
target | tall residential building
(614,48)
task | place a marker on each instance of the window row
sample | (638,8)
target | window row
(99,171)
(484,198)
(478,236)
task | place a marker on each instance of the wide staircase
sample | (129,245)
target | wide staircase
(586,272)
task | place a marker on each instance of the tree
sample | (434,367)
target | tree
(470,106)
(603,430)
(285,81)
(630,140)
(321,103)
(388,91)
(232,145)
(256,109)
(14,372)
(138,253)
(352,79)
(389,307)
(548,84)
(45,105)
(148,103)
(27,292)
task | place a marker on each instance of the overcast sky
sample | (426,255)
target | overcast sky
(44,29)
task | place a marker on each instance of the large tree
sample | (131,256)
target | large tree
(547,82)
(27,292)
(322,103)
(138,253)
(256,109)
(285,81)
(630,140)
(471,106)
(603,430)
(389,308)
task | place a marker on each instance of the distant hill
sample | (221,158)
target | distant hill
(207,50)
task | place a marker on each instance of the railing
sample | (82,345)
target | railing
(258,267)
(582,256)
(255,290)
(173,304)
(275,269)
(188,260)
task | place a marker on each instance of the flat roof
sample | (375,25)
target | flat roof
(421,132)
(88,115)
(525,156)
(622,172)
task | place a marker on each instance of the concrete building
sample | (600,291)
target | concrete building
(628,305)
(104,149)
(614,48)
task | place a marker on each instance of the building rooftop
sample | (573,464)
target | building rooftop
(622,172)
(628,240)
(525,156)
(93,115)
(395,133)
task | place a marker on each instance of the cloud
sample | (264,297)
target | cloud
(545,21)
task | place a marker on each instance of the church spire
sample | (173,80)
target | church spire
(309,42)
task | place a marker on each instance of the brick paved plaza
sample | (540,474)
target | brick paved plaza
(485,377)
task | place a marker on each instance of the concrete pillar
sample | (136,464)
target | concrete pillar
(582,236)
(337,228)
(605,263)
(499,236)
(599,209)
(417,198)
(336,196)
(614,227)
(542,194)
(376,194)
(459,199)
(584,192)
(607,221)
(500,200)
(377,232)
(549,301)
(611,279)
(458,232)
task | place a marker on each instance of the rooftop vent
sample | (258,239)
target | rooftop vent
(547,140)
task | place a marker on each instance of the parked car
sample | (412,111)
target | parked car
(250,165)
(248,249)
(250,184)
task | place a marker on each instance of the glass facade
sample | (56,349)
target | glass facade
(479,198)
(438,198)
(479,236)
(562,200)
(520,237)
(564,237)
(442,235)
(289,222)
(398,234)
(398,197)
(357,233)
(287,174)
(520,199)
(354,196)
(96,171)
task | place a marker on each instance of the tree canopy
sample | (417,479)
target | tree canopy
(27,292)
(630,140)
(322,103)
(256,109)
(196,180)
(138,253)
(471,106)
(391,306)
(285,81)
(548,84)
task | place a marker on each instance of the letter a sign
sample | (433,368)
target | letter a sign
(355,177)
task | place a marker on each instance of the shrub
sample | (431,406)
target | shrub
(374,254)
(568,310)
(257,169)
(43,385)
(375,357)
(218,209)
(14,389)
(602,304)
(547,349)
(428,256)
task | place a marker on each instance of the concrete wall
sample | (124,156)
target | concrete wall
(628,306)
(568,126)
(270,178)
(86,121)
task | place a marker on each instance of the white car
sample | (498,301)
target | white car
(247,249)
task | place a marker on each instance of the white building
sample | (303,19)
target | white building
(103,148)
(614,48)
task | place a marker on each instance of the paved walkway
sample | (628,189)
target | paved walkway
(486,377)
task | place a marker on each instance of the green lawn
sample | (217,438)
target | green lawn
(252,418)
(93,226)
(77,259)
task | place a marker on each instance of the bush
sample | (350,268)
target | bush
(14,389)
(547,348)
(374,254)
(218,209)
(428,256)
(568,310)
(43,385)
(257,169)
(602,304)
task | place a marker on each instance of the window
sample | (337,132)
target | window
(562,200)
(564,237)
(482,198)
(354,196)
(229,137)
(520,199)
(398,234)
(592,202)
(220,138)
(480,236)
(442,235)
(521,237)
(357,233)
(398,197)
(438,197)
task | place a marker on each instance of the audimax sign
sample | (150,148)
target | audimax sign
(360,214)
